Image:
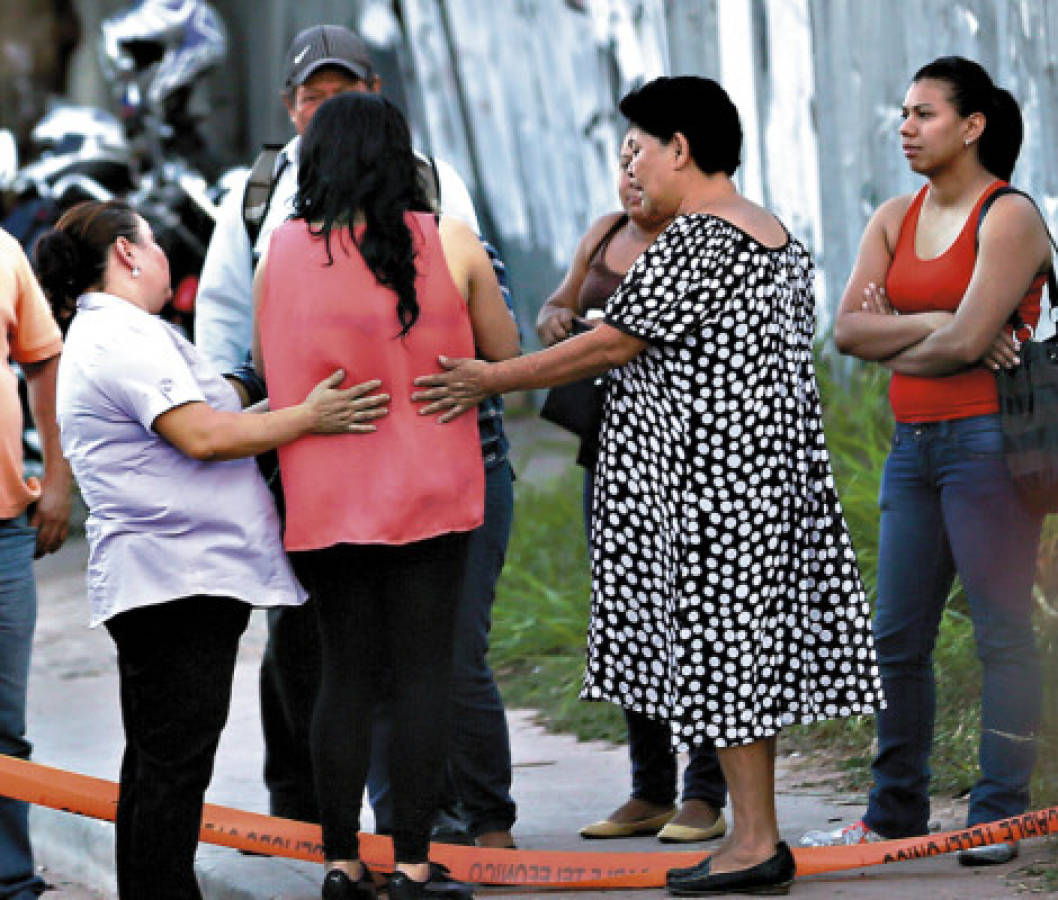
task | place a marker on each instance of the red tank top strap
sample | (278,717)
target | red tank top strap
(905,240)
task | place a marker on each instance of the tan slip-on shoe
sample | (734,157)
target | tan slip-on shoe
(689,834)
(605,829)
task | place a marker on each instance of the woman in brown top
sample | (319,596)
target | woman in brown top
(599,265)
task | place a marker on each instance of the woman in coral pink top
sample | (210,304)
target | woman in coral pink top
(947,500)
(363,273)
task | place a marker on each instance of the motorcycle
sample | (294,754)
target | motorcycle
(153,55)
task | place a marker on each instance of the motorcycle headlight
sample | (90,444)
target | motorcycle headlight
(66,127)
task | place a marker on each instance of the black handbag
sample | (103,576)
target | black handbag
(1028,409)
(1028,406)
(577,406)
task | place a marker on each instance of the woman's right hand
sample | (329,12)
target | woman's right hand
(556,326)
(345,410)
(1003,354)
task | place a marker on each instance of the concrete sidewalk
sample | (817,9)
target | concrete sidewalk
(559,783)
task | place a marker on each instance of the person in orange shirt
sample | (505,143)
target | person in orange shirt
(34,517)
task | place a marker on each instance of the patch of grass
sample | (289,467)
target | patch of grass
(540,619)
(1039,877)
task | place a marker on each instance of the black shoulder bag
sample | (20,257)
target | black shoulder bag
(577,406)
(1028,403)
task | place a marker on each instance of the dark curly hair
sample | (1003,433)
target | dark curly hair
(71,257)
(356,159)
(972,90)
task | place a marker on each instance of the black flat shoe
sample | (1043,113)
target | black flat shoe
(339,886)
(401,887)
(773,876)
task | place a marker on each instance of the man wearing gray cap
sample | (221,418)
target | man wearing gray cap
(323,61)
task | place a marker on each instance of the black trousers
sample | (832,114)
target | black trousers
(175,665)
(387,619)
(290,680)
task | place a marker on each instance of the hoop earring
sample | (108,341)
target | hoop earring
(135,271)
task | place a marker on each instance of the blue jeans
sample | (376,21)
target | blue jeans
(479,752)
(650,742)
(18,617)
(948,507)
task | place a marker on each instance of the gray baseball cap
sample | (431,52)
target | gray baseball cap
(326,45)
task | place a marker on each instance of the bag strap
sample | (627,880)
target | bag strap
(260,187)
(1052,281)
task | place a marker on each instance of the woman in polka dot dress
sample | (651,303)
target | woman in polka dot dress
(726,597)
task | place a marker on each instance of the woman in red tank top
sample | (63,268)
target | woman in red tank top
(930,298)
(363,273)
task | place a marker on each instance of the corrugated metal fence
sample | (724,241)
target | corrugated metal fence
(520,95)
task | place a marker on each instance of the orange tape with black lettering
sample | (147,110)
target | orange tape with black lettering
(560,869)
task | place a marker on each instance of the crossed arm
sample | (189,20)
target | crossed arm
(1013,250)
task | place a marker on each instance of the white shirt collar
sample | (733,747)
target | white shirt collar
(103,300)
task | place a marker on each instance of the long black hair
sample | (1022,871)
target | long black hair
(72,257)
(356,159)
(972,90)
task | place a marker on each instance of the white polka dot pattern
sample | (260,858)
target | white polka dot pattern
(726,597)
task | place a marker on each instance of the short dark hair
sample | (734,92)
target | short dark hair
(72,256)
(356,157)
(972,90)
(699,109)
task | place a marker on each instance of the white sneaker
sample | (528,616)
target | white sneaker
(856,833)
(989,854)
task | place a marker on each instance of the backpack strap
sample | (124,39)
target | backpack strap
(264,175)
(430,179)
(1052,283)
(260,186)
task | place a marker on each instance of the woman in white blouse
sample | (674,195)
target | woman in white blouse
(184,534)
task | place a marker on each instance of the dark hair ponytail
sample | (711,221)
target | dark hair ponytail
(72,257)
(972,90)
(1001,142)
(356,159)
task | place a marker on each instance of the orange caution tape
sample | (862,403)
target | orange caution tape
(560,869)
